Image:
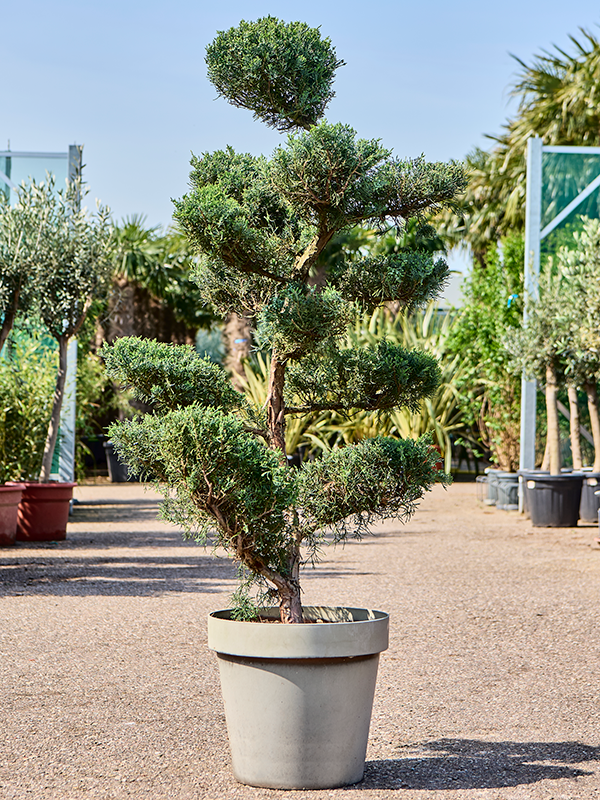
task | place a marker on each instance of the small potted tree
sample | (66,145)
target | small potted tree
(70,259)
(579,266)
(27,370)
(298,694)
(538,349)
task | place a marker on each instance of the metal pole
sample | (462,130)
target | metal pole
(66,453)
(533,212)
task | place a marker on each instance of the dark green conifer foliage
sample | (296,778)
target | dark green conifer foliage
(260,225)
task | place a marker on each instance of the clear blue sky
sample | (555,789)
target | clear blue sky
(127,79)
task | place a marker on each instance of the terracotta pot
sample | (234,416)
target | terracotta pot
(10,496)
(44,512)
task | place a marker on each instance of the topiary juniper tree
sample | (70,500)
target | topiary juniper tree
(259,225)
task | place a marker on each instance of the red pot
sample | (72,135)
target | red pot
(44,512)
(10,496)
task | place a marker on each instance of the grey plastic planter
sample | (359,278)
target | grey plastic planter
(298,698)
(507,491)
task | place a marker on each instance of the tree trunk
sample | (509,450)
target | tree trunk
(59,394)
(546,459)
(290,607)
(276,407)
(592,395)
(553,434)
(574,427)
(237,335)
(9,318)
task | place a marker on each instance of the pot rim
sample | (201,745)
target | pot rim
(366,633)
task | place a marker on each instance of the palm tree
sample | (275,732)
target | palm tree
(559,96)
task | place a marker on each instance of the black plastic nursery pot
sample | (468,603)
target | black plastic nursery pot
(118,472)
(590,503)
(523,475)
(553,500)
(507,491)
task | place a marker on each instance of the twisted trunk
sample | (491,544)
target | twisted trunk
(276,407)
(288,586)
(553,434)
(574,427)
(290,607)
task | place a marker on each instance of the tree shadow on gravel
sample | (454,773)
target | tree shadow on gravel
(120,575)
(471,764)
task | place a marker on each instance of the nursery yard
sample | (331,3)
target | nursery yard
(490,689)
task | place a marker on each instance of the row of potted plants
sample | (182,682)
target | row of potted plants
(557,501)
(54,260)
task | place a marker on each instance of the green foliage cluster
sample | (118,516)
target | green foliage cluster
(376,479)
(409,278)
(299,319)
(215,471)
(260,227)
(168,376)
(283,73)
(489,388)
(385,376)
(27,377)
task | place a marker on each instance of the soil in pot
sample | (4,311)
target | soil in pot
(10,497)
(44,512)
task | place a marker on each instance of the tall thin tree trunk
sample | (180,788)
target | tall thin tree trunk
(59,394)
(553,433)
(592,396)
(574,427)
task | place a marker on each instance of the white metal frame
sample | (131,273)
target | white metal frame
(533,238)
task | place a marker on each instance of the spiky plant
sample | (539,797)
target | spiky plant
(260,225)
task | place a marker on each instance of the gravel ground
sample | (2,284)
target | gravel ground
(489,690)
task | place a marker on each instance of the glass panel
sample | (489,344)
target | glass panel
(564,176)
(22,168)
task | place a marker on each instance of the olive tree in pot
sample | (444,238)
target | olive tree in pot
(538,350)
(17,236)
(73,263)
(27,370)
(579,267)
(297,696)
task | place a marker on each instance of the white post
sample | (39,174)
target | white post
(66,458)
(533,212)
